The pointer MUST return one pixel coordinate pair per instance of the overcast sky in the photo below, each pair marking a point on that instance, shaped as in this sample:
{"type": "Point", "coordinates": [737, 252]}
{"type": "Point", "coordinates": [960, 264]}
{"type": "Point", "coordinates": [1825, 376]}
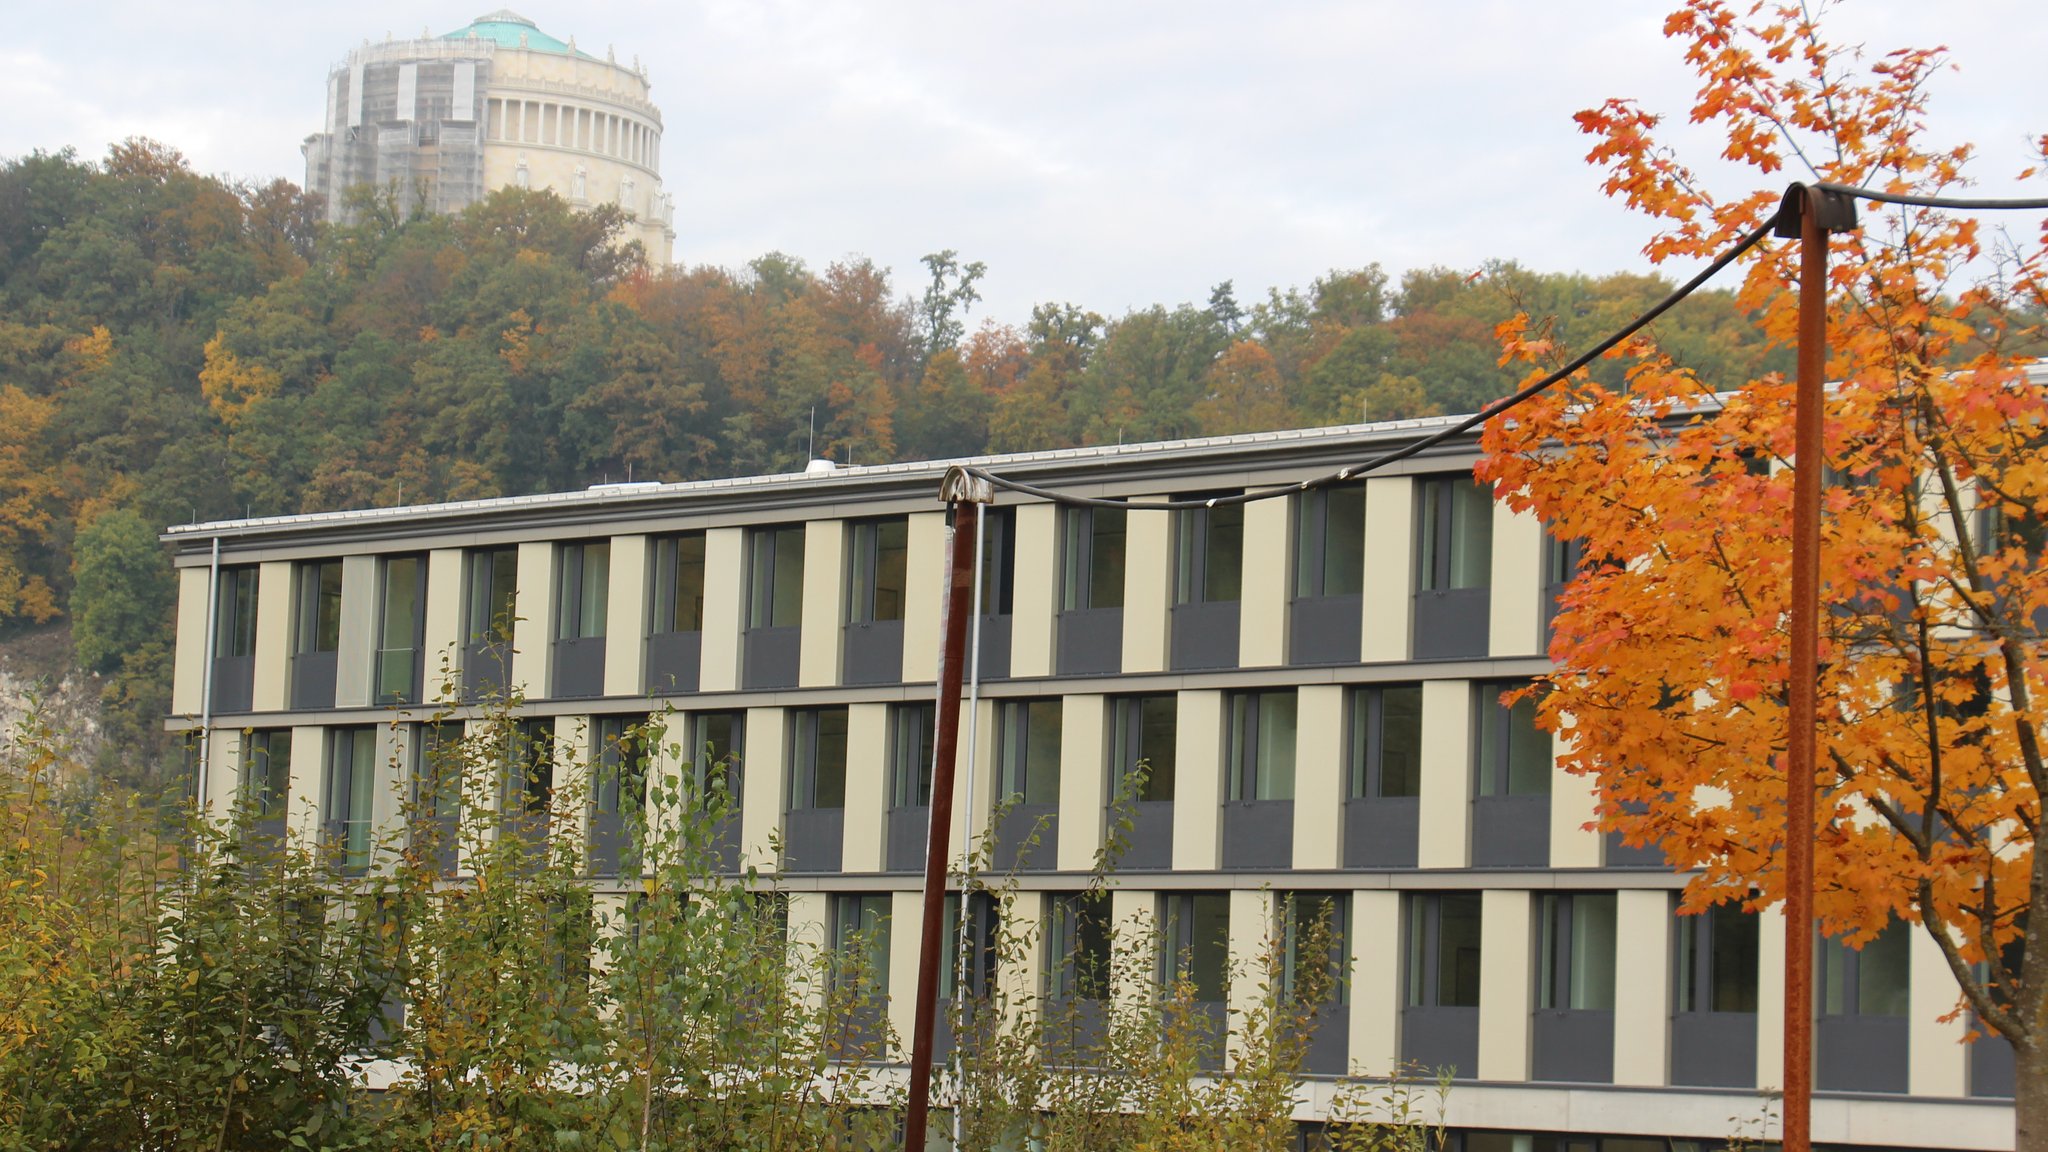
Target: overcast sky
{"type": "Point", "coordinates": [1113, 154]}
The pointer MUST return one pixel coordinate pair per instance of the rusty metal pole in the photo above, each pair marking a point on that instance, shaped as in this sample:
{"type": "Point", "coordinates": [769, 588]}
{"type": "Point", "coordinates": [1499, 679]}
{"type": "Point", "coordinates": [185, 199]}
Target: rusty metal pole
{"type": "Point", "coordinates": [1817, 215]}
{"type": "Point", "coordinates": [965, 494]}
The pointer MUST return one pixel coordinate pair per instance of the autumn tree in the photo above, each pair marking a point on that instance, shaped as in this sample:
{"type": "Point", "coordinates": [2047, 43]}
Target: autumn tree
{"type": "Point", "coordinates": [1670, 650]}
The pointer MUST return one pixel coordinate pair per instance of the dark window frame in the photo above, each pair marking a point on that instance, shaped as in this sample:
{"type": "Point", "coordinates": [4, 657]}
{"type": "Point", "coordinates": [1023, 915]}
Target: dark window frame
{"type": "Point", "coordinates": [1312, 542]}
{"type": "Point", "coordinates": [1443, 505]}
{"type": "Point", "coordinates": [573, 605]}
{"type": "Point", "coordinates": [868, 565]}
{"type": "Point", "coordinates": [348, 803]}
{"type": "Point", "coordinates": [1247, 773]}
{"type": "Point", "coordinates": [1367, 741]}
{"type": "Point", "coordinates": [815, 782]}
{"type": "Point", "coordinates": [414, 652]}
{"type": "Point", "coordinates": [1082, 538]}
{"type": "Point", "coordinates": [770, 554]}
{"type": "Point", "coordinates": [1131, 718]}
{"type": "Point", "coordinates": [676, 555]}
{"type": "Point", "coordinates": [1016, 741]}
{"type": "Point", "coordinates": [1200, 561]}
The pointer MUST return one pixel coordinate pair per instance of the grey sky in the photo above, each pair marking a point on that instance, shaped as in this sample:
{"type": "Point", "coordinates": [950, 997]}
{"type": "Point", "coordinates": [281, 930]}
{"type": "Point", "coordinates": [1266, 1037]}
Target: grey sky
{"type": "Point", "coordinates": [1112, 154]}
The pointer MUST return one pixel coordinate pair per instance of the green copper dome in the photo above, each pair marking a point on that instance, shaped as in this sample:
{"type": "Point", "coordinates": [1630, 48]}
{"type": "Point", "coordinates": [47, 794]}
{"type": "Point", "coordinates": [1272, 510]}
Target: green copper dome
{"type": "Point", "coordinates": [508, 29]}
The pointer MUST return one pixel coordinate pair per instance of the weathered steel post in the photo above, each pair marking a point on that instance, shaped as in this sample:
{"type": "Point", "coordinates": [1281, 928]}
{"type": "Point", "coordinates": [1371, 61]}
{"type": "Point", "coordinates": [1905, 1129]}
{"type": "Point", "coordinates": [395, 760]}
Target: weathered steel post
{"type": "Point", "coordinates": [965, 494]}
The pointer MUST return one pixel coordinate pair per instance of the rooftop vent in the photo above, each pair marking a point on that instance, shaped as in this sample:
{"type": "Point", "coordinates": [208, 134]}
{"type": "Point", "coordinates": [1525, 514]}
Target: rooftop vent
{"type": "Point", "coordinates": [625, 486]}
{"type": "Point", "coordinates": [820, 468]}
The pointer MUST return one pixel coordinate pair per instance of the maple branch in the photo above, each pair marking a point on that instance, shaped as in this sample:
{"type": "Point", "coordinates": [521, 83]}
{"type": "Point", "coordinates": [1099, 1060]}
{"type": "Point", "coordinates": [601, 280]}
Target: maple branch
{"type": "Point", "coordinates": [2008, 1024]}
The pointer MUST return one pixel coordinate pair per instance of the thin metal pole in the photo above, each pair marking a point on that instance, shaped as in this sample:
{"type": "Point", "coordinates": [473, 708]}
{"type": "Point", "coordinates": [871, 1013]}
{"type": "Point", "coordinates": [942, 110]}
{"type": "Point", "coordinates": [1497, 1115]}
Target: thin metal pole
{"type": "Point", "coordinates": [1802, 715]}
{"type": "Point", "coordinates": [965, 926]}
{"type": "Point", "coordinates": [966, 521]}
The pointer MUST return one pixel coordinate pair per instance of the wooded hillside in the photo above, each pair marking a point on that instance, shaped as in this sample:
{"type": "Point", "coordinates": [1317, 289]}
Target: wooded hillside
{"type": "Point", "coordinates": [175, 347]}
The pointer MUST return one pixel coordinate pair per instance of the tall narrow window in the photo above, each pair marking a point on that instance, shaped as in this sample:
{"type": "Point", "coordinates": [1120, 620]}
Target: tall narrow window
{"type": "Point", "coordinates": [584, 590]}
{"type": "Point", "coordinates": [814, 828]}
{"type": "Point", "coordinates": [493, 588]}
{"type": "Point", "coordinates": [1091, 624]}
{"type": "Point", "coordinates": [401, 630]}
{"type": "Point", "coordinates": [1386, 742]}
{"type": "Point", "coordinates": [881, 565]}
{"type": "Point", "coordinates": [1572, 1037]}
{"type": "Point", "coordinates": [860, 939]}
{"type": "Point", "coordinates": [1262, 745]}
{"type": "Point", "coordinates": [998, 560]}
{"type": "Point", "coordinates": [319, 626]}
{"type": "Point", "coordinates": [1863, 1028]}
{"type": "Point", "coordinates": [490, 608]}
{"type": "Point", "coordinates": [1211, 554]}
{"type": "Point", "coordinates": [1455, 523]}
{"type": "Point", "coordinates": [266, 779]}
{"type": "Point", "coordinates": [1326, 620]}
{"type": "Point", "coordinates": [1383, 807]}
{"type": "Point", "coordinates": [1440, 1022]}
{"type": "Point", "coordinates": [679, 583]}
{"type": "Point", "coordinates": [1078, 939]}
{"type": "Point", "coordinates": [1315, 931]}
{"type": "Point", "coordinates": [1028, 780]}
{"type": "Point", "coordinates": [1142, 744]}
{"type": "Point", "coordinates": [316, 634]}
{"type": "Point", "coordinates": [983, 931]}
{"type": "Point", "coordinates": [233, 667]}
{"type": "Point", "coordinates": [715, 751]}
{"type": "Point", "coordinates": [1208, 583]}
{"type": "Point", "coordinates": [911, 732]}
{"type": "Point", "coordinates": [818, 758]}
{"type": "Point", "coordinates": [1329, 534]}
{"type": "Point", "coordinates": [877, 589]}
{"type": "Point", "coordinates": [776, 595]}
{"type": "Point", "coordinates": [773, 645]}
{"type": "Point", "coordinates": [1714, 1001]}
{"type": "Point", "coordinates": [1453, 568]}
{"type": "Point", "coordinates": [1514, 754]}
{"type": "Point", "coordinates": [1093, 574]}
{"type": "Point", "coordinates": [350, 794]}
{"type": "Point", "coordinates": [618, 790]}
{"type": "Point", "coordinates": [675, 641]}
{"type": "Point", "coordinates": [1028, 752]}
{"type": "Point", "coordinates": [437, 792]}
{"type": "Point", "coordinates": [1194, 944]}
{"type": "Point", "coordinates": [1511, 788]}
{"type": "Point", "coordinates": [530, 779]}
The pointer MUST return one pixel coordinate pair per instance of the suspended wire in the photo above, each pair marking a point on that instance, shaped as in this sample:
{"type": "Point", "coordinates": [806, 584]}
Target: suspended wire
{"type": "Point", "coordinates": [1959, 203]}
{"type": "Point", "coordinates": [1526, 393]}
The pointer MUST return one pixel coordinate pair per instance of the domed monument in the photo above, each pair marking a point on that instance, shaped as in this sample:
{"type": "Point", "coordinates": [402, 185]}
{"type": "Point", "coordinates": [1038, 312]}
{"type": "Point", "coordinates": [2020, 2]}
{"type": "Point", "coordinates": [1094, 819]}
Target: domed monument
{"type": "Point", "coordinates": [445, 120]}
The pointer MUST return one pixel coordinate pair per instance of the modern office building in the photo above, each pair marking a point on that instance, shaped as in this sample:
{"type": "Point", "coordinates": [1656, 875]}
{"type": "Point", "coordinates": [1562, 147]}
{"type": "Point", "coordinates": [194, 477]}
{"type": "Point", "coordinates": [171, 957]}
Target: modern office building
{"type": "Point", "coordinates": [1314, 681]}
{"type": "Point", "coordinates": [446, 120]}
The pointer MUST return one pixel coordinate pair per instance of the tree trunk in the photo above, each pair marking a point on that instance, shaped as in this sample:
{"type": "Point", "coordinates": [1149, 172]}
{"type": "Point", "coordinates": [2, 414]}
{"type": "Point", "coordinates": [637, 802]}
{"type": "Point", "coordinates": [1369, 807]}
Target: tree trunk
{"type": "Point", "coordinates": [2030, 1098]}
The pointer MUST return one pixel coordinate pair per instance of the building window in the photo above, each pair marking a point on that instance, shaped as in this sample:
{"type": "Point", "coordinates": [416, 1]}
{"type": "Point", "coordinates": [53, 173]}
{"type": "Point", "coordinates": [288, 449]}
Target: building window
{"type": "Point", "coordinates": [679, 583]}
{"type": "Point", "coordinates": [1512, 769]}
{"type": "Point", "coordinates": [1091, 629]}
{"type": "Point", "coordinates": [437, 792]}
{"type": "Point", "coordinates": [1078, 945]}
{"type": "Point", "coordinates": [351, 793]}
{"type": "Point", "coordinates": [1862, 1031]}
{"type": "Point", "coordinates": [1093, 575]}
{"type": "Point", "coordinates": [1211, 554]}
{"type": "Point", "coordinates": [234, 623]}
{"type": "Point", "coordinates": [1194, 945]}
{"type": "Point", "coordinates": [716, 745]}
{"type": "Point", "coordinates": [911, 732]}
{"type": "Point", "coordinates": [1329, 537]}
{"type": "Point", "coordinates": [982, 931]}
{"type": "Point", "coordinates": [1718, 955]}
{"type": "Point", "coordinates": [877, 591]}
{"type": "Point", "coordinates": [1315, 930]}
{"type": "Point", "coordinates": [1028, 751]}
{"type": "Point", "coordinates": [880, 570]}
{"type": "Point", "coordinates": [675, 640]}
{"type": "Point", "coordinates": [1453, 569]}
{"type": "Point", "coordinates": [818, 758]}
{"type": "Point", "coordinates": [319, 625]}
{"type": "Point", "coordinates": [998, 560]}
{"type": "Point", "coordinates": [1142, 743]}
{"type": "Point", "coordinates": [493, 588]}
{"type": "Point", "coordinates": [1575, 951]}
{"type": "Point", "coordinates": [1714, 998]}
{"type": "Point", "coordinates": [860, 940]}
{"type": "Point", "coordinates": [1514, 755]}
{"type": "Point", "coordinates": [530, 782]}
{"type": "Point", "coordinates": [618, 790]}
{"type": "Point", "coordinates": [1386, 742]}
{"type": "Point", "coordinates": [401, 630]}
{"type": "Point", "coordinates": [772, 654]}
{"type": "Point", "coordinates": [267, 778]}
{"type": "Point", "coordinates": [316, 634]}
{"type": "Point", "coordinates": [1262, 745]}
{"type": "Point", "coordinates": [1454, 550]}
{"type": "Point", "coordinates": [1443, 951]}
{"type": "Point", "coordinates": [776, 589]}
{"type": "Point", "coordinates": [584, 590]}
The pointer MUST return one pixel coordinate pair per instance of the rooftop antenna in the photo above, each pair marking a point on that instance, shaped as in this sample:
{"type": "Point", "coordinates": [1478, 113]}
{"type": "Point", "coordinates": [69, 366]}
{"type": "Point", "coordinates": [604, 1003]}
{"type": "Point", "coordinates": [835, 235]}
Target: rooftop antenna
{"type": "Point", "coordinates": [811, 452]}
